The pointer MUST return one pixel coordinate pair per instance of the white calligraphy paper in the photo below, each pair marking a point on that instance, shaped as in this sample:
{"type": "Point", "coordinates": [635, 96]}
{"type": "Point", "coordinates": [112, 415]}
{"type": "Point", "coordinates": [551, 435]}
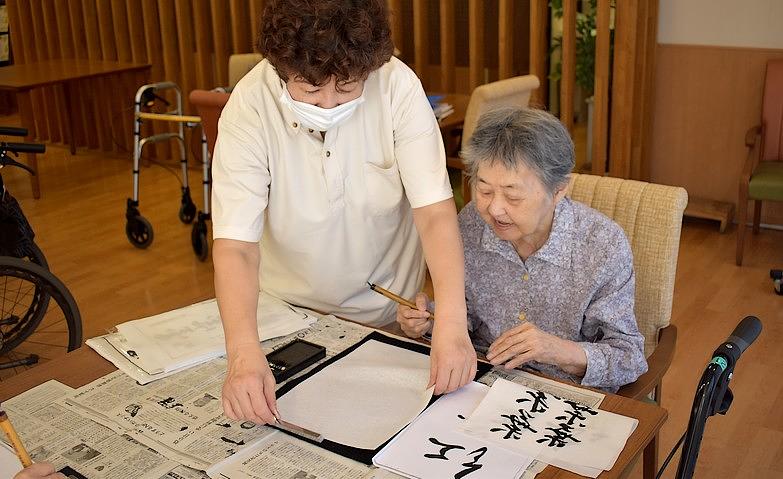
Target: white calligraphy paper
{"type": "Point", "coordinates": [551, 429]}
{"type": "Point", "coordinates": [433, 447]}
{"type": "Point", "coordinates": [362, 399]}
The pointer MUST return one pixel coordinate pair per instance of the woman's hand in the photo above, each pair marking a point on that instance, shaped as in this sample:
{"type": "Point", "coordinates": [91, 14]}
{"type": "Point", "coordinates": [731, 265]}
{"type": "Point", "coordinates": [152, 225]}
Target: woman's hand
{"type": "Point", "coordinates": [40, 470]}
{"type": "Point", "coordinates": [452, 358]}
{"type": "Point", "coordinates": [249, 389]}
{"type": "Point", "coordinates": [415, 322]}
{"type": "Point", "coordinates": [526, 343]}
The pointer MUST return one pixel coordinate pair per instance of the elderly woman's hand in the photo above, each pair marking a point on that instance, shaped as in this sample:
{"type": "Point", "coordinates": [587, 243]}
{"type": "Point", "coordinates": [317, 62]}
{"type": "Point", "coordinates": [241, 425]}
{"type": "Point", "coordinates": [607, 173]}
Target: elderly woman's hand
{"type": "Point", "coordinates": [415, 322]}
{"type": "Point", "coordinates": [526, 343]}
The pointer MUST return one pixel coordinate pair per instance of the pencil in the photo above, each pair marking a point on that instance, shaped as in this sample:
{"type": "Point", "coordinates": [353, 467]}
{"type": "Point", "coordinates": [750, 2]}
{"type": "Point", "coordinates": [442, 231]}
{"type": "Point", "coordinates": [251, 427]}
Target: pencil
{"type": "Point", "coordinates": [392, 296]}
{"type": "Point", "coordinates": [6, 425]}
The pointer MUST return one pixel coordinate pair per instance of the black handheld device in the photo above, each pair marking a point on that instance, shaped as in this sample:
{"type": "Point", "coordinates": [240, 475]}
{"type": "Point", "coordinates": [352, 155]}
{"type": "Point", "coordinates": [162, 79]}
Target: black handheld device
{"type": "Point", "coordinates": [294, 357]}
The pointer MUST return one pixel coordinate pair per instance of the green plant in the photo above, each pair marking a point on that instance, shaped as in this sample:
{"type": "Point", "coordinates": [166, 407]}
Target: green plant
{"type": "Point", "coordinates": [585, 45]}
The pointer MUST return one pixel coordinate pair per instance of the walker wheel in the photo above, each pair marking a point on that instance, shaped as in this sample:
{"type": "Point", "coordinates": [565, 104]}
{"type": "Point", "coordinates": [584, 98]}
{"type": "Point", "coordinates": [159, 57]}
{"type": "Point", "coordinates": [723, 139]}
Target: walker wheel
{"type": "Point", "coordinates": [187, 212]}
{"type": "Point", "coordinates": [139, 231]}
{"type": "Point", "coordinates": [198, 238]}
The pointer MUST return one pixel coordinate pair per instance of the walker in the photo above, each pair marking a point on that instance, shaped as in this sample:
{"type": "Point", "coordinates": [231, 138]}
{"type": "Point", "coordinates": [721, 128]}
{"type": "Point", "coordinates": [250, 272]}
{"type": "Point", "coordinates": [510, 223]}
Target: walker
{"type": "Point", "coordinates": [137, 228]}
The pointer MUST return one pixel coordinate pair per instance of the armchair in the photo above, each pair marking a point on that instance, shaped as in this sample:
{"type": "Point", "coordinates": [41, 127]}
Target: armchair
{"type": "Point", "coordinates": [651, 216]}
{"type": "Point", "coordinates": [762, 176]}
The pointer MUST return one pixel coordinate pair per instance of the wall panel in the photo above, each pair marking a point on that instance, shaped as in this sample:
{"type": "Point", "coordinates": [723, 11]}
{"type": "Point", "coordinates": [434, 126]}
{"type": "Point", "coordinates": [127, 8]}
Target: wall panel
{"type": "Point", "coordinates": [706, 99]}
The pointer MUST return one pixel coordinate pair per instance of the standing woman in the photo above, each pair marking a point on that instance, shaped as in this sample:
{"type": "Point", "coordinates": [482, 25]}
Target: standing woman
{"type": "Point", "coordinates": [329, 155]}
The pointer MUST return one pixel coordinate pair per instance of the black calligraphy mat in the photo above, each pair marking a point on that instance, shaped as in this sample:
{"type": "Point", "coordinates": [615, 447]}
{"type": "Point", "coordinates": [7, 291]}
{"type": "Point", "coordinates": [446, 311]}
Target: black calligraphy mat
{"type": "Point", "coordinates": [363, 455]}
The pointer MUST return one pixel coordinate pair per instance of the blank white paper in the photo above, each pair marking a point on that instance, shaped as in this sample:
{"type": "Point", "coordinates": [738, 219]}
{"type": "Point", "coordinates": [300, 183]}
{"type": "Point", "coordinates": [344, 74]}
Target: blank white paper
{"type": "Point", "coordinates": [362, 399]}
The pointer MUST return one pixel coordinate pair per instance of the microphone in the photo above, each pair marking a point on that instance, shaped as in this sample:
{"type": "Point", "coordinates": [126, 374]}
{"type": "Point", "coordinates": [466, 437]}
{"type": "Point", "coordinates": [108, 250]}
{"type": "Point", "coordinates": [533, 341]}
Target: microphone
{"type": "Point", "coordinates": [728, 353]}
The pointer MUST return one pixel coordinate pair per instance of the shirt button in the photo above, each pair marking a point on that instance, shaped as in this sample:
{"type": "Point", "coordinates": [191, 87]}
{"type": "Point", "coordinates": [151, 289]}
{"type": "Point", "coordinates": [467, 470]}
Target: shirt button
{"type": "Point", "coordinates": [525, 277]}
{"type": "Point", "coordinates": [522, 317]}
{"type": "Point", "coordinates": [295, 124]}
{"type": "Point", "coordinates": [328, 153]}
{"type": "Point", "coordinates": [310, 130]}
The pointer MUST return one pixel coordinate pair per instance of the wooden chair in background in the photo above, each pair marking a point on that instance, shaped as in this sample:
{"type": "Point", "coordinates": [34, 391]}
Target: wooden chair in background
{"type": "Point", "coordinates": [762, 175]}
{"type": "Point", "coordinates": [510, 92]}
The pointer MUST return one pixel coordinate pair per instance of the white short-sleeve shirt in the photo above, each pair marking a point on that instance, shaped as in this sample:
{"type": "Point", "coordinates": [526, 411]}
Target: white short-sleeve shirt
{"type": "Point", "coordinates": [332, 213]}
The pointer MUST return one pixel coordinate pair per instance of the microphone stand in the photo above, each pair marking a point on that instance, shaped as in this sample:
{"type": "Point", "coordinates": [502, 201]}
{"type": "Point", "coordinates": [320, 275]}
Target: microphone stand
{"type": "Point", "coordinates": [713, 396]}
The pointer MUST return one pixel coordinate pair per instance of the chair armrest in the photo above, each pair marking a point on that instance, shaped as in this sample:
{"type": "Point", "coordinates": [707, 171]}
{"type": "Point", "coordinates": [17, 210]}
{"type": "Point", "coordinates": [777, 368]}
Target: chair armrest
{"type": "Point", "coordinates": [657, 365]}
{"type": "Point", "coordinates": [751, 142]}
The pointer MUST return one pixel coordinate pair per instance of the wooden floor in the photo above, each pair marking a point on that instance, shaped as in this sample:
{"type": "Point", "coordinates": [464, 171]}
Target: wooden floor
{"type": "Point", "coordinates": [80, 223]}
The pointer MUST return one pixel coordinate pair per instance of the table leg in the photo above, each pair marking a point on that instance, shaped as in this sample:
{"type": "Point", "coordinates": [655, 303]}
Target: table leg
{"type": "Point", "coordinates": [650, 459]}
{"type": "Point", "coordinates": [68, 94]}
{"type": "Point", "coordinates": [26, 115]}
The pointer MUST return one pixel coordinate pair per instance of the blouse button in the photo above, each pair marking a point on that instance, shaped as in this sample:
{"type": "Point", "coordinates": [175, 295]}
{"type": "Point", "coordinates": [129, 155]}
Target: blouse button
{"type": "Point", "coordinates": [328, 153]}
{"type": "Point", "coordinates": [295, 124]}
{"type": "Point", "coordinates": [522, 317]}
{"type": "Point", "coordinates": [310, 130]}
{"type": "Point", "coordinates": [525, 277]}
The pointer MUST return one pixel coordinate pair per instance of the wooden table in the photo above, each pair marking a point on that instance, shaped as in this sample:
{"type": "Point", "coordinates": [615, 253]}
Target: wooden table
{"type": "Point", "coordinates": [84, 365]}
{"type": "Point", "coordinates": [22, 79]}
{"type": "Point", "coordinates": [454, 121]}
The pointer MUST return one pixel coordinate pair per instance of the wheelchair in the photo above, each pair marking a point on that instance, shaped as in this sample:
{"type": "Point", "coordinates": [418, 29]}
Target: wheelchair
{"type": "Point", "coordinates": [39, 318]}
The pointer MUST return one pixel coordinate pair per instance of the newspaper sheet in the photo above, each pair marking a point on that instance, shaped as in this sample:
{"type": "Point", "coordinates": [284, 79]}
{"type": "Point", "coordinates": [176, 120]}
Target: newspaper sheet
{"type": "Point", "coordinates": [181, 416]}
{"type": "Point", "coordinates": [194, 334]}
{"type": "Point", "coordinates": [53, 433]}
{"type": "Point", "coordinates": [279, 455]}
{"type": "Point", "coordinates": [565, 391]}
{"type": "Point", "coordinates": [159, 346]}
{"type": "Point", "coordinates": [336, 335]}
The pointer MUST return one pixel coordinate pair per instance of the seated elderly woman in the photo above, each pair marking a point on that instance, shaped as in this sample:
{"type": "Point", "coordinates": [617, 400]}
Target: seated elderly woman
{"type": "Point", "coordinates": [549, 281]}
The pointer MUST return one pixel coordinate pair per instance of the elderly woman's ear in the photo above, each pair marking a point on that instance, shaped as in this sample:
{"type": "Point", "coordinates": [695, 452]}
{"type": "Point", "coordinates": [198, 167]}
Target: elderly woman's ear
{"type": "Point", "coordinates": [561, 192]}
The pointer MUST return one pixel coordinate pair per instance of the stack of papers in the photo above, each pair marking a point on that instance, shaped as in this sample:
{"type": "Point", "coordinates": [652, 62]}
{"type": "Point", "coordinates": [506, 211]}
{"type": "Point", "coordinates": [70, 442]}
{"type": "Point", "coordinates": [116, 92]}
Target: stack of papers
{"type": "Point", "coordinates": [161, 345]}
{"type": "Point", "coordinates": [441, 109]}
{"type": "Point", "coordinates": [551, 429]}
{"type": "Point", "coordinates": [432, 445]}
{"type": "Point", "coordinates": [506, 431]}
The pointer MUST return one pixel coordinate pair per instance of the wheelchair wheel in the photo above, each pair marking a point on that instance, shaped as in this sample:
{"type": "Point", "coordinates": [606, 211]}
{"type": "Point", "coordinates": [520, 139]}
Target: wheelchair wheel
{"type": "Point", "coordinates": [139, 231]}
{"type": "Point", "coordinates": [39, 319]}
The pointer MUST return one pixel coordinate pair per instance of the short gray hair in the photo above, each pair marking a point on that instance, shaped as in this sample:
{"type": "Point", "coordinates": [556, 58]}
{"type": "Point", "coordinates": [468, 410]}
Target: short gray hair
{"type": "Point", "coordinates": [514, 136]}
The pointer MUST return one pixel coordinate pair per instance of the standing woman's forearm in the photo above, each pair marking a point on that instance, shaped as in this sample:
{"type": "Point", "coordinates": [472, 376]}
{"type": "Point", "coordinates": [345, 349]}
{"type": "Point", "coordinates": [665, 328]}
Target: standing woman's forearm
{"type": "Point", "coordinates": [249, 388]}
{"type": "Point", "coordinates": [452, 359]}
{"type": "Point", "coordinates": [236, 289]}
{"type": "Point", "coordinates": [439, 231]}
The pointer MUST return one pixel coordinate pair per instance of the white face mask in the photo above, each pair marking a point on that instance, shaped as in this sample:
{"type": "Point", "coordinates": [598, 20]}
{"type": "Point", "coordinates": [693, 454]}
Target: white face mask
{"type": "Point", "coordinates": [317, 118]}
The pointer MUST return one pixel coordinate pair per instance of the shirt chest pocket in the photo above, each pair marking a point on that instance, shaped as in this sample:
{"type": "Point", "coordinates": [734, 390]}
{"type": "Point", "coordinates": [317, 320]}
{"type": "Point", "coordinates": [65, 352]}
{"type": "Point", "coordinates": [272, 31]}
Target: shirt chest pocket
{"type": "Point", "coordinates": [384, 188]}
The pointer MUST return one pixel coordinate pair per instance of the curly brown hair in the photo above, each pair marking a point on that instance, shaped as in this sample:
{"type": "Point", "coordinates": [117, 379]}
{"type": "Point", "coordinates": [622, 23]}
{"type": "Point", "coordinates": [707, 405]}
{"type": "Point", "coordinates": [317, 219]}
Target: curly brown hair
{"type": "Point", "coordinates": [316, 39]}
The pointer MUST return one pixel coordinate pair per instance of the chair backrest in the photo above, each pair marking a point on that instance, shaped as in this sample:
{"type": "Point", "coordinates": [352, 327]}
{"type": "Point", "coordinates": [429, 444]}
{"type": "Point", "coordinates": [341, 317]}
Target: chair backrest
{"type": "Point", "coordinates": [651, 216]}
{"type": "Point", "coordinates": [772, 112]}
{"type": "Point", "coordinates": [509, 92]}
{"type": "Point", "coordinates": [209, 105]}
{"type": "Point", "coordinates": [239, 64]}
